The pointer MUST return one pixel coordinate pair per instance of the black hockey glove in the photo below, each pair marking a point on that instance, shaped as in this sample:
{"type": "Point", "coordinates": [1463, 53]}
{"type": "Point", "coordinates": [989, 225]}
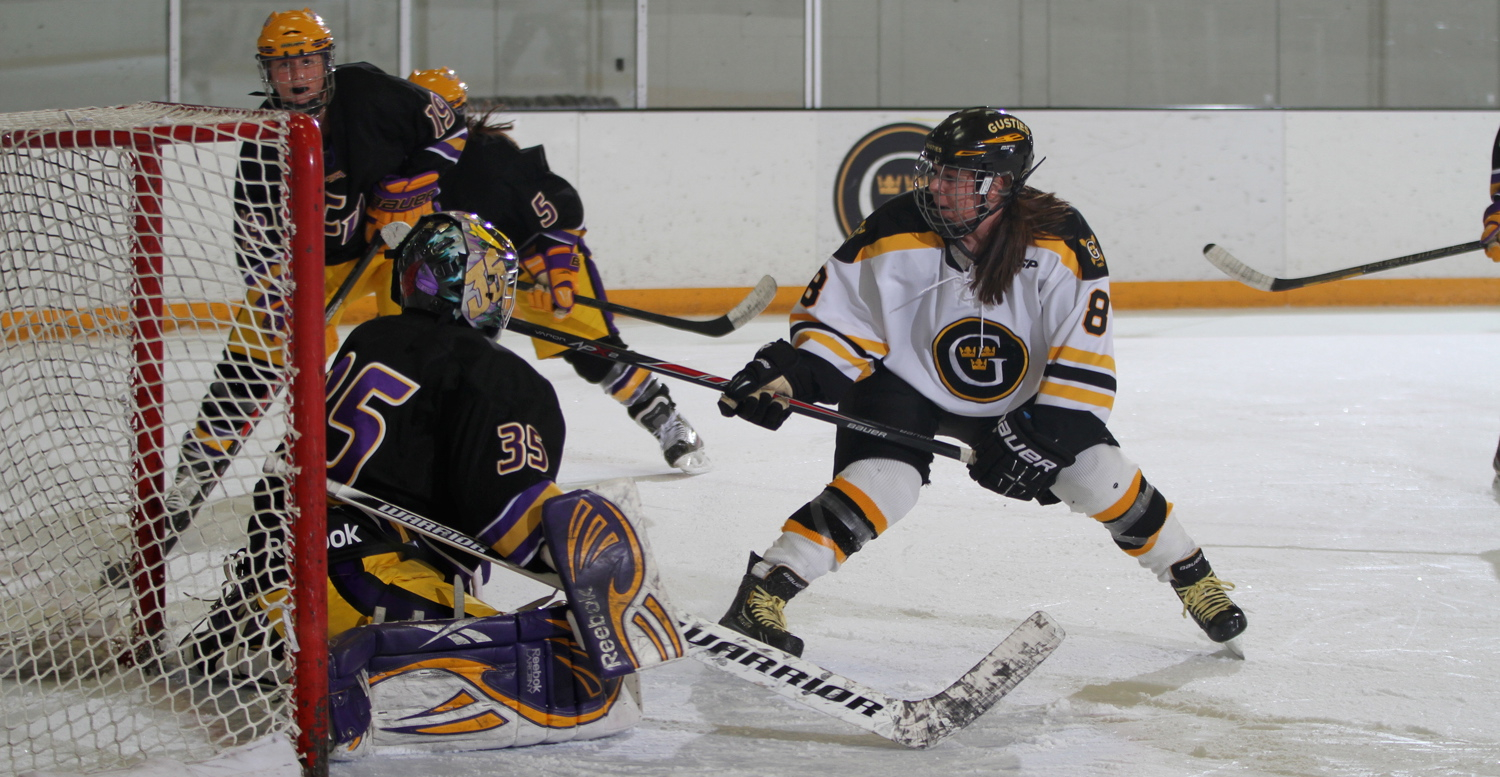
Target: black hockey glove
{"type": "Point", "coordinates": [1017, 460]}
{"type": "Point", "coordinates": [752, 393]}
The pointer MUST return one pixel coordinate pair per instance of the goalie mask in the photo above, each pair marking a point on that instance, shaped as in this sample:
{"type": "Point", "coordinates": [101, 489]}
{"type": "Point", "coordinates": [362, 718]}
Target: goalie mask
{"type": "Point", "coordinates": [455, 264]}
{"type": "Point", "coordinates": [970, 159]}
{"type": "Point", "coordinates": [295, 52]}
{"type": "Point", "coordinates": [444, 82]}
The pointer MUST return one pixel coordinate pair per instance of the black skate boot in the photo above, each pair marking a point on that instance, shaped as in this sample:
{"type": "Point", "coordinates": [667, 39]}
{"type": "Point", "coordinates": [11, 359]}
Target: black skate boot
{"type": "Point", "coordinates": [680, 444]}
{"type": "Point", "coordinates": [756, 611]}
{"type": "Point", "coordinates": [236, 642]}
{"type": "Point", "coordinates": [1203, 597]}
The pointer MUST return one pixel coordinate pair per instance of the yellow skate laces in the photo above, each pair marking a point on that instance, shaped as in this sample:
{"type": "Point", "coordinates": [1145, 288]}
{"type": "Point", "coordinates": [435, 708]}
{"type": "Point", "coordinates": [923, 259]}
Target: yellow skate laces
{"type": "Point", "coordinates": [767, 609]}
{"type": "Point", "coordinates": [1205, 598]}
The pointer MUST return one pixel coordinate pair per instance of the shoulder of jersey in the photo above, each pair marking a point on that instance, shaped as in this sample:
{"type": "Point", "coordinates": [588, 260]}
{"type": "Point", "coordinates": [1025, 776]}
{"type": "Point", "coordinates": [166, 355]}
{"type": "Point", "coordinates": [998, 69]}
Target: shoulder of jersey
{"type": "Point", "coordinates": [895, 225]}
{"type": "Point", "coordinates": [1073, 241]}
{"type": "Point", "coordinates": [368, 80]}
{"type": "Point", "coordinates": [493, 142]}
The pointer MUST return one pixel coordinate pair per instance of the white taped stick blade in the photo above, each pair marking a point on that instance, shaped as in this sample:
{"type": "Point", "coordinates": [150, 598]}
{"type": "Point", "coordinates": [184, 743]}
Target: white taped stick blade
{"type": "Point", "coordinates": [394, 232]}
{"type": "Point", "coordinates": [753, 304]}
{"type": "Point", "coordinates": [1234, 268]}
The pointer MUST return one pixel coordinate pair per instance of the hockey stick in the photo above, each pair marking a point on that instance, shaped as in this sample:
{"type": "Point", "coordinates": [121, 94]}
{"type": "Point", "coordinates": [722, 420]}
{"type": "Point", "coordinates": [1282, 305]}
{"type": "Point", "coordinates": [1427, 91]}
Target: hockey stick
{"type": "Point", "coordinates": [596, 348]}
{"type": "Point", "coordinates": [1234, 268]}
{"type": "Point", "coordinates": [915, 723]}
{"type": "Point", "coordinates": [751, 306]}
{"type": "Point", "coordinates": [356, 273]}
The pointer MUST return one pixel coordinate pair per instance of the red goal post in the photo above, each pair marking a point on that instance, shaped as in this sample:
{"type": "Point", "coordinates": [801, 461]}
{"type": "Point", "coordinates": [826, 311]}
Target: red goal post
{"type": "Point", "coordinates": [120, 276]}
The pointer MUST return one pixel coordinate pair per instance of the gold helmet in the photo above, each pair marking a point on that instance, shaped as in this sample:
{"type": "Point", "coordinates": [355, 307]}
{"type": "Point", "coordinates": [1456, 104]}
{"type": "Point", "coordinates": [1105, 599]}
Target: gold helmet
{"type": "Point", "coordinates": [292, 35]}
{"type": "Point", "coordinates": [444, 82]}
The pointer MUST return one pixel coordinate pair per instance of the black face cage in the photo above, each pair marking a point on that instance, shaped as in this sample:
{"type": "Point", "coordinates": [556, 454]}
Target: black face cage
{"type": "Point", "coordinates": [313, 106]}
{"type": "Point", "coordinates": [955, 223]}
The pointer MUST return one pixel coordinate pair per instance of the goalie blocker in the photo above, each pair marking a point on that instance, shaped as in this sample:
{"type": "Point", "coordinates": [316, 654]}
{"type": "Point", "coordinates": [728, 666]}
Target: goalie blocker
{"type": "Point", "coordinates": [550, 675]}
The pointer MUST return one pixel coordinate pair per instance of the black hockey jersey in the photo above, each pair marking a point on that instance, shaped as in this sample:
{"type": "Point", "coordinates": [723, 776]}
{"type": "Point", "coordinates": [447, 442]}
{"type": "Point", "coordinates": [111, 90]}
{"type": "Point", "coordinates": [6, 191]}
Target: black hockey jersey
{"type": "Point", "coordinates": [377, 126]}
{"type": "Point", "coordinates": [512, 188]}
{"type": "Point", "coordinates": [1495, 170]}
{"type": "Point", "coordinates": [431, 415]}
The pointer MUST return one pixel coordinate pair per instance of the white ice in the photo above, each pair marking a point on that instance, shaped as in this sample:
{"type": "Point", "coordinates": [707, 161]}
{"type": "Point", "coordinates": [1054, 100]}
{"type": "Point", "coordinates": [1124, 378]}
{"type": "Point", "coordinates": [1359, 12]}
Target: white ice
{"type": "Point", "coordinates": [1335, 465]}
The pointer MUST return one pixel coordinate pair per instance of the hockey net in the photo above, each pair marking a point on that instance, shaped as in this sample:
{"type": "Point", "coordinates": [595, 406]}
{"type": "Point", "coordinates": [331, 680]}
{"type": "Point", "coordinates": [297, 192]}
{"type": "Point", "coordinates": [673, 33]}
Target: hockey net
{"type": "Point", "coordinates": [119, 279]}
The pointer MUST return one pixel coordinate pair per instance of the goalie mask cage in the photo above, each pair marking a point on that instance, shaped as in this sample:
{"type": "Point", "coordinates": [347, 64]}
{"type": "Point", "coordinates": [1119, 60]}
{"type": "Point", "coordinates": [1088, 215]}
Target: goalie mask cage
{"type": "Point", "coordinates": [119, 280]}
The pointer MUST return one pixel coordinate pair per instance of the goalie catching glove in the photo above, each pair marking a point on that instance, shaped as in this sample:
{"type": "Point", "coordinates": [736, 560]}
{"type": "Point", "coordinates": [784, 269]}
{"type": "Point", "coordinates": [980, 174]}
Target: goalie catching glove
{"type": "Point", "coordinates": [1018, 460]}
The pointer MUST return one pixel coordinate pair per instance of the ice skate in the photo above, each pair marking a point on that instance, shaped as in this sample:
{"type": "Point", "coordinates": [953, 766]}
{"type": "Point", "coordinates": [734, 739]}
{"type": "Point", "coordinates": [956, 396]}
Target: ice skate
{"type": "Point", "coordinates": [680, 444]}
{"type": "Point", "coordinates": [757, 608]}
{"type": "Point", "coordinates": [1203, 596]}
{"type": "Point", "coordinates": [235, 642]}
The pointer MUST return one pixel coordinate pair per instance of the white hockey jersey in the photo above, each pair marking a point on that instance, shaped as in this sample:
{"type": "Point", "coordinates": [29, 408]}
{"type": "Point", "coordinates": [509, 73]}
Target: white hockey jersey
{"type": "Point", "coordinates": [893, 294]}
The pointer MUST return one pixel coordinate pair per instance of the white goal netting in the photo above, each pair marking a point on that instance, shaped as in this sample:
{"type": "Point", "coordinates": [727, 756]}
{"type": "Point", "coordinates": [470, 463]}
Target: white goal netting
{"type": "Point", "coordinates": [120, 277]}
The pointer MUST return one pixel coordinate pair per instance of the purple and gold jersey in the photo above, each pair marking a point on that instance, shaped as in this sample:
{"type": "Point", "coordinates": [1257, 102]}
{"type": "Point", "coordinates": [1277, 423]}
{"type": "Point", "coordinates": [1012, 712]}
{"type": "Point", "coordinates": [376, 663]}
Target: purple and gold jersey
{"type": "Point", "coordinates": [512, 188]}
{"type": "Point", "coordinates": [377, 126]}
{"type": "Point", "coordinates": [433, 416]}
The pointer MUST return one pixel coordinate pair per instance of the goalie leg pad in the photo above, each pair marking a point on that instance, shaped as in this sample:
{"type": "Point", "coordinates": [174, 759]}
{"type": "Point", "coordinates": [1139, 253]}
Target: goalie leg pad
{"type": "Point", "coordinates": [615, 598]}
{"type": "Point", "coordinates": [471, 684]}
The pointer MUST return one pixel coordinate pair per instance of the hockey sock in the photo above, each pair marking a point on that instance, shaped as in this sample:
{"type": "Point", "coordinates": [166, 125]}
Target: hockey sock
{"type": "Point", "coordinates": [865, 499]}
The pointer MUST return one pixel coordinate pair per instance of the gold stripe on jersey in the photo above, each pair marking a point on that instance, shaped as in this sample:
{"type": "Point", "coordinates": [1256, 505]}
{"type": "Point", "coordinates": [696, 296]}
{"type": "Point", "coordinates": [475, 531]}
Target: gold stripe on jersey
{"type": "Point", "coordinates": [904, 241]}
{"type": "Point", "coordinates": [1079, 395]}
{"type": "Point", "coordinates": [836, 348]}
{"type": "Point", "coordinates": [1064, 253]}
{"type": "Point", "coordinates": [866, 504]}
{"type": "Point", "coordinates": [528, 525]}
{"type": "Point", "coordinates": [1079, 356]}
{"type": "Point", "coordinates": [874, 347]}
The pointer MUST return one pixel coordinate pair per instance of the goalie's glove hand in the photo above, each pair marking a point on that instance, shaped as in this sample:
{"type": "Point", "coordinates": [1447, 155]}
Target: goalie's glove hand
{"type": "Point", "coordinates": [1491, 236]}
{"type": "Point", "coordinates": [758, 393]}
{"type": "Point", "coordinates": [400, 199]}
{"type": "Point", "coordinates": [555, 266]}
{"type": "Point", "coordinates": [1017, 460]}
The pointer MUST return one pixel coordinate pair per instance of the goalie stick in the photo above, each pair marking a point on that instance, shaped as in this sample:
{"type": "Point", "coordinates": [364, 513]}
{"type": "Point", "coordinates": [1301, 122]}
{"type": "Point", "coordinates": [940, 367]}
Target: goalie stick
{"type": "Point", "coordinates": [1234, 268]}
{"type": "Point", "coordinates": [915, 723]}
{"type": "Point", "coordinates": [751, 306]}
{"type": "Point", "coordinates": [596, 348]}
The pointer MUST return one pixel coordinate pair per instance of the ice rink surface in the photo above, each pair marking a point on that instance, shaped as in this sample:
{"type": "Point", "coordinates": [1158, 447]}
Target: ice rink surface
{"type": "Point", "coordinates": [1335, 465]}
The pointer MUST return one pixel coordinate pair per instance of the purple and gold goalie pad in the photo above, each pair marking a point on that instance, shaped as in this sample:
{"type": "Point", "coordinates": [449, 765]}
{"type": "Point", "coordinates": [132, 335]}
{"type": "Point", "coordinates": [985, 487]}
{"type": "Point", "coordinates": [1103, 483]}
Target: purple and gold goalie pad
{"type": "Point", "coordinates": [615, 599]}
{"type": "Point", "coordinates": [470, 684]}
